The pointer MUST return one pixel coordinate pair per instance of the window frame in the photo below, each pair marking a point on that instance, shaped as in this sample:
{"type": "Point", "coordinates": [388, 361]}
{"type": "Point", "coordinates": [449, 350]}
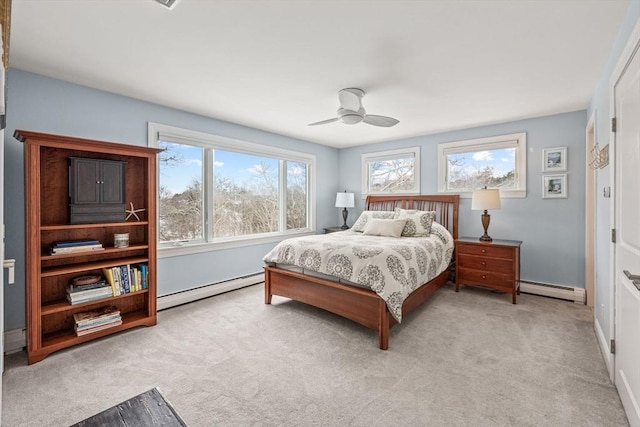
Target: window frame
{"type": "Point", "coordinates": [367, 158]}
{"type": "Point", "coordinates": [158, 132]}
{"type": "Point", "coordinates": [514, 140]}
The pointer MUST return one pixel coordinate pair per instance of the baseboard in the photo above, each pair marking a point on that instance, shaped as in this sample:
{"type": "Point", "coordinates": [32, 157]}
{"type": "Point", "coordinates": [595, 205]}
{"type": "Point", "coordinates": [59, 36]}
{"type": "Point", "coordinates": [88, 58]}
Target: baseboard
{"type": "Point", "coordinates": [577, 295]}
{"type": "Point", "coordinates": [15, 340]}
{"type": "Point", "coordinates": [184, 297]}
{"type": "Point", "coordinates": [604, 348]}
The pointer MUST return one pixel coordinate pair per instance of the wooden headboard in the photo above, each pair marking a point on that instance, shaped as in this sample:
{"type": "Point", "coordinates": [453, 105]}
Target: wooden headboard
{"type": "Point", "coordinates": [445, 206]}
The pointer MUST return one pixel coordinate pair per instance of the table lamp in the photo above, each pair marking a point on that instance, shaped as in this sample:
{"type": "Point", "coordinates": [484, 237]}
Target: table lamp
{"type": "Point", "coordinates": [344, 200]}
{"type": "Point", "coordinates": [485, 199]}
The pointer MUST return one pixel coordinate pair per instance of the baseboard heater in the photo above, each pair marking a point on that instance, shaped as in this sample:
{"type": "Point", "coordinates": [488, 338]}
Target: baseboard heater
{"type": "Point", "coordinates": [184, 297]}
{"type": "Point", "coordinates": [577, 295]}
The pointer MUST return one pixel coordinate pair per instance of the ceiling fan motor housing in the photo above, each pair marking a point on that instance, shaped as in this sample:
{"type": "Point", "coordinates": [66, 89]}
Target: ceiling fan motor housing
{"type": "Point", "coordinates": [350, 117]}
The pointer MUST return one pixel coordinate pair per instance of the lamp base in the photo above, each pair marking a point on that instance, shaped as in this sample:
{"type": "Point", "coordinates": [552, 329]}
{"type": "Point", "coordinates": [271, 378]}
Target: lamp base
{"type": "Point", "coordinates": [486, 219]}
{"type": "Point", "coordinates": [345, 214]}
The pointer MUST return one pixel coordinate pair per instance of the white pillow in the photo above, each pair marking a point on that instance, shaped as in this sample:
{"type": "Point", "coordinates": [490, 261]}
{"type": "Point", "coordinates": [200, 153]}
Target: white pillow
{"type": "Point", "coordinates": [385, 227]}
{"type": "Point", "coordinates": [366, 216]}
{"type": "Point", "coordinates": [418, 222]}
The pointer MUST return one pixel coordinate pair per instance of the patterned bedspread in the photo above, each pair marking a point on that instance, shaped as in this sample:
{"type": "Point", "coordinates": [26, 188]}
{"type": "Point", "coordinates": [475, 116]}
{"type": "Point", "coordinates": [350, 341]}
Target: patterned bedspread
{"type": "Point", "coordinates": [391, 267]}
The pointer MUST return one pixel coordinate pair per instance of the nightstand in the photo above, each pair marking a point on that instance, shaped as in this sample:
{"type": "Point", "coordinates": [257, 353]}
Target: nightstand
{"type": "Point", "coordinates": [494, 264]}
{"type": "Point", "coordinates": [328, 230]}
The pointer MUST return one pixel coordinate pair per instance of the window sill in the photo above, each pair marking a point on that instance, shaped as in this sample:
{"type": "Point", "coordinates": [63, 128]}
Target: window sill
{"type": "Point", "coordinates": [195, 248]}
{"type": "Point", "coordinates": [504, 194]}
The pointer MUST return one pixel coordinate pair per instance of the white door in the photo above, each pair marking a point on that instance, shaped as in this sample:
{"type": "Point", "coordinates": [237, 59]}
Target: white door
{"type": "Point", "coordinates": [627, 246]}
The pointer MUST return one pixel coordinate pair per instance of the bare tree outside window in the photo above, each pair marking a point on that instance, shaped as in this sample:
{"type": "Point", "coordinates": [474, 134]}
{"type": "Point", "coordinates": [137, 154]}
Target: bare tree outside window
{"type": "Point", "coordinates": [491, 168]}
{"type": "Point", "coordinates": [391, 176]}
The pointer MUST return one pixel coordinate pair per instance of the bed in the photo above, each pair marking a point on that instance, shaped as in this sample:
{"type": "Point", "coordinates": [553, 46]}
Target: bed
{"type": "Point", "coordinates": [361, 305]}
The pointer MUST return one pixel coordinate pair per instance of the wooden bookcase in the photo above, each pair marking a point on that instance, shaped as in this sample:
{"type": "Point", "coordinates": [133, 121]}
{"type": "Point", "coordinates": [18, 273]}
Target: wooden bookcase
{"type": "Point", "coordinates": [50, 322]}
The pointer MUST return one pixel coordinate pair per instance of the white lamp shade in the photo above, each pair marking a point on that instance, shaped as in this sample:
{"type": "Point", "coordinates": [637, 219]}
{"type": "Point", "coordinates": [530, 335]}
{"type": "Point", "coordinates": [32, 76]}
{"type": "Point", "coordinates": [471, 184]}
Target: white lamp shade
{"type": "Point", "coordinates": [486, 199]}
{"type": "Point", "coordinates": [344, 200]}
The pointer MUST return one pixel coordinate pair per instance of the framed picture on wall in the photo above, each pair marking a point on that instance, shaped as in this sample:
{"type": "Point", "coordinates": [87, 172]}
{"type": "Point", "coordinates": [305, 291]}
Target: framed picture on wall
{"type": "Point", "coordinates": [554, 159]}
{"type": "Point", "coordinates": [554, 186]}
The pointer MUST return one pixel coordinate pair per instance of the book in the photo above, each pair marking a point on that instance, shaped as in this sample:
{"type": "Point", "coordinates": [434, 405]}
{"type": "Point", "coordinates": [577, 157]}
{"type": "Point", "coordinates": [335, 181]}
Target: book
{"type": "Point", "coordinates": [104, 290]}
{"type": "Point", "coordinates": [124, 274]}
{"type": "Point", "coordinates": [143, 275]}
{"type": "Point", "coordinates": [72, 243]}
{"type": "Point", "coordinates": [108, 275]}
{"type": "Point", "coordinates": [85, 316]}
{"type": "Point", "coordinates": [98, 328]}
{"type": "Point", "coordinates": [88, 286]}
{"type": "Point", "coordinates": [76, 249]}
{"type": "Point", "coordinates": [117, 278]}
{"type": "Point", "coordinates": [96, 322]}
{"type": "Point", "coordinates": [86, 298]}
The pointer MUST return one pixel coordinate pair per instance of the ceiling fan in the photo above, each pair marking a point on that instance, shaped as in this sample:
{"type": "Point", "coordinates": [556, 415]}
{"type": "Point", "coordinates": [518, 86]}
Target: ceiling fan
{"type": "Point", "coordinates": [351, 111]}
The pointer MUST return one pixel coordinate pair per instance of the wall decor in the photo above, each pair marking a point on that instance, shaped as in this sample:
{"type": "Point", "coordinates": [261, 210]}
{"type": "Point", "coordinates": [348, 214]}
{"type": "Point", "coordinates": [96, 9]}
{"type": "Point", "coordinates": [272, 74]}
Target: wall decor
{"type": "Point", "coordinates": [554, 186]}
{"type": "Point", "coordinates": [554, 159]}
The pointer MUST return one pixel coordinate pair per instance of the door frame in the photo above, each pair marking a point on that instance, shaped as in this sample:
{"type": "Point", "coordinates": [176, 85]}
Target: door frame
{"type": "Point", "coordinates": [633, 44]}
{"type": "Point", "coordinates": [590, 216]}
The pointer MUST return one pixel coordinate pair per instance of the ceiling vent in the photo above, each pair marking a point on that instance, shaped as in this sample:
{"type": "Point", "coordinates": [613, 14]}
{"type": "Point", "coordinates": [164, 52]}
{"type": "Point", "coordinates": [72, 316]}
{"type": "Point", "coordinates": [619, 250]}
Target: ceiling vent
{"type": "Point", "coordinates": [168, 3]}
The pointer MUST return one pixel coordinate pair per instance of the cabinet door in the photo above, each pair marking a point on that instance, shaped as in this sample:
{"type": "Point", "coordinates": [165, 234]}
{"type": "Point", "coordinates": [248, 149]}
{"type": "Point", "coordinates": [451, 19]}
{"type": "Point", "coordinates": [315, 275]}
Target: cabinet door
{"type": "Point", "coordinates": [84, 181]}
{"type": "Point", "coordinates": [112, 182]}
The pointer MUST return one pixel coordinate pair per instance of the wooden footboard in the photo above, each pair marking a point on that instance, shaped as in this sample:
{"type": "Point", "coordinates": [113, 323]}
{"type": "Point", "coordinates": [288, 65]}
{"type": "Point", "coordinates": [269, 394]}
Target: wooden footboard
{"type": "Point", "coordinates": [359, 305]}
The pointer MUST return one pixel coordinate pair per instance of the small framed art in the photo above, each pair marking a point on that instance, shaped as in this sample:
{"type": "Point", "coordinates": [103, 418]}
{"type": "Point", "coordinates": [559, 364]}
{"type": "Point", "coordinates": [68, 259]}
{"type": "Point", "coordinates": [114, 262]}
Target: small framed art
{"type": "Point", "coordinates": [554, 186]}
{"type": "Point", "coordinates": [554, 159]}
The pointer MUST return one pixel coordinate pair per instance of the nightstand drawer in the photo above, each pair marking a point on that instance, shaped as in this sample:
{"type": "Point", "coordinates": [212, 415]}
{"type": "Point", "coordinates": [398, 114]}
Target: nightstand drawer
{"type": "Point", "coordinates": [485, 278]}
{"type": "Point", "coordinates": [486, 264]}
{"type": "Point", "coordinates": [486, 250]}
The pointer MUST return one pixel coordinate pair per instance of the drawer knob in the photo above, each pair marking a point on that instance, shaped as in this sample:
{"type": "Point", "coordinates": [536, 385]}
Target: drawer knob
{"type": "Point", "coordinates": [484, 263]}
{"type": "Point", "coordinates": [484, 251]}
{"type": "Point", "coordinates": [484, 277]}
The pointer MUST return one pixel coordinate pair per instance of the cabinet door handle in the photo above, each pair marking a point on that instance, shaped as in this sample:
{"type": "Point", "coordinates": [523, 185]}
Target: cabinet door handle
{"type": "Point", "coordinates": [484, 263]}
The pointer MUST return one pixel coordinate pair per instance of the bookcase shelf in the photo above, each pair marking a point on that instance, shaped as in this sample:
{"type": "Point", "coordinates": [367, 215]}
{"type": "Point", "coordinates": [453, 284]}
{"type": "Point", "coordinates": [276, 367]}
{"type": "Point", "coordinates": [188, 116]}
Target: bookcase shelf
{"type": "Point", "coordinates": [50, 320]}
{"type": "Point", "coordinates": [65, 338]}
{"type": "Point", "coordinates": [63, 305]}
{"type": "Point", "coordinates": [91, 226]}
{"type": "Point", "coordinates": [107, 250]}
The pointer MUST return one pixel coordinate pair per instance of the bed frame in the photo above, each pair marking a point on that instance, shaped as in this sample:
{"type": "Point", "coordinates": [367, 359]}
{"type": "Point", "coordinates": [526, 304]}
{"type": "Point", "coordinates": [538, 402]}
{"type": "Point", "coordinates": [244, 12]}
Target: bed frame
{"type": "Point", "coordinates": [357, 304]}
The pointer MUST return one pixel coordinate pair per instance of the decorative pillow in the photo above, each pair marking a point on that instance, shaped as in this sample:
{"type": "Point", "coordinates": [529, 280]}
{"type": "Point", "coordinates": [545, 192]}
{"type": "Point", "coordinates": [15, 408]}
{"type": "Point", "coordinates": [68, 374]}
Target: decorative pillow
{"type": "Point", "coordinates": [385, 227]}
{"type": "Point", "coordinates": [366, 216]}
{"type": "Point", "coordinates": [418, 222]}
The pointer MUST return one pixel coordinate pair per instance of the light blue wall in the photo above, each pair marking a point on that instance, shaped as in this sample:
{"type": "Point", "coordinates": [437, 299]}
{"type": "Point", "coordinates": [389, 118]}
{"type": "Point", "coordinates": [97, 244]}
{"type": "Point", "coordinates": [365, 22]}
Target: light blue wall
{"type": "Point", "coordinates": [552, 230]}
{"type": "Point", "coordinates": [600, 105]}
{"type": "Point", "coordinates": [42, 104]}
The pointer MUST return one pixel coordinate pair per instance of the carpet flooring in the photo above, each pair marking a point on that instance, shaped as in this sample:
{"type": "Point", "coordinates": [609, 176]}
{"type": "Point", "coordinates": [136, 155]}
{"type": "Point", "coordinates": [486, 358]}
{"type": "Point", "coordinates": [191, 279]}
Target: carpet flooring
{"type": "Point", "coordinates": [462, 359]}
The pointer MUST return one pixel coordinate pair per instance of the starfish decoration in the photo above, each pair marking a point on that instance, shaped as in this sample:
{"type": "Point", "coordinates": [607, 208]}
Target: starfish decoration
{"type": "Point", "coordinates": [133, 212]}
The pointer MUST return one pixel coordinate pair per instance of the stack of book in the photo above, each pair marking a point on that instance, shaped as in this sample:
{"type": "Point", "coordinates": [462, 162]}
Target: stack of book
{"type": "Point", "coordinates": [127, 278]}
{"type": "Point", "coordinates": [84, 292]}
{"type": "Point", "coordinates": [97, 320]}
{"type": "Point", "coordinates": [74, 246]}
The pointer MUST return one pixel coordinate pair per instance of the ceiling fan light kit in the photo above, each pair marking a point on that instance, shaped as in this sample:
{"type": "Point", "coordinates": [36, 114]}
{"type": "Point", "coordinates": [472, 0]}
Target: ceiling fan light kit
{"type": "Point", "coordinates": [352, 112]}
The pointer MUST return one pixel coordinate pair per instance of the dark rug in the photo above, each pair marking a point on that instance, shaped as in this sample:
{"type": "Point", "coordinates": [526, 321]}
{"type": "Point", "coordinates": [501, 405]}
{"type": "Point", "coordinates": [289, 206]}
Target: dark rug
{"type": "Point", "coordinates": [146, 409]}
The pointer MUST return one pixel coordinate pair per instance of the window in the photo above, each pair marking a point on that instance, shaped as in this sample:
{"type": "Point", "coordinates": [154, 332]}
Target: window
{"type": "Point", "coordinates": [495, 162]}
{"type": "Point", "coordinates": [216, 190]}
{"type": "Point", "coordinates": [391, 172]}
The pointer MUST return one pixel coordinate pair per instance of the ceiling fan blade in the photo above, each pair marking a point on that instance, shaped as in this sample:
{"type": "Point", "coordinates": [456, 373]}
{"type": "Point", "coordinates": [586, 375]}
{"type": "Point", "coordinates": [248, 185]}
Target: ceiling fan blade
{"type": "Point", "coordinates": [382, 121]}
{"type": "Point", "coordinates": [351, 99]}
{"type": "Point", "coordinates": [324, 122]}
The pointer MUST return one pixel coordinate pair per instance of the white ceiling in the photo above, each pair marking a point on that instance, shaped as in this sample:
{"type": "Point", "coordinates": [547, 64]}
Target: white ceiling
{"type": "Point", "coordinates": [435, 65]}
